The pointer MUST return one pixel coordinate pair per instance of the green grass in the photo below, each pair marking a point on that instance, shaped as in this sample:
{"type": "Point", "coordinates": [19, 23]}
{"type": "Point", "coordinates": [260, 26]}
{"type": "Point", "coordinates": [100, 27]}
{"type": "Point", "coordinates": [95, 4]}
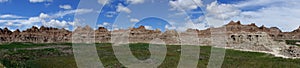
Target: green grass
{"type": "Point", "coordinates": [233, 58]}
{"type": "Point", "coordinates": [53, 62]}
{"type": "Point", "coordinates": [27, 45]}
{"type": "Point", "coordinates": [18, 58]}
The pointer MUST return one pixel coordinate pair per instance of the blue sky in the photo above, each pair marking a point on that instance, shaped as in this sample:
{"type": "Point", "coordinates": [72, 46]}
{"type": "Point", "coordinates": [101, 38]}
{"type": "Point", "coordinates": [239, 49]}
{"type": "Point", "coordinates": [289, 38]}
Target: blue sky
{"type": "Point", "coordinates": [154, 14]}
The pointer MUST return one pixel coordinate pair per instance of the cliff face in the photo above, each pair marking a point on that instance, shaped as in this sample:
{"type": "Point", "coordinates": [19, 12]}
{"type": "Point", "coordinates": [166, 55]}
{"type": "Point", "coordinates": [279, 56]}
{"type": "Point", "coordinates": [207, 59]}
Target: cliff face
{"type": "Point", "coordinates": [36, 35]}
{"type": "Point", "coordinates": [140, 34]}
{"type": "Point", "coordinates": [274, 32]}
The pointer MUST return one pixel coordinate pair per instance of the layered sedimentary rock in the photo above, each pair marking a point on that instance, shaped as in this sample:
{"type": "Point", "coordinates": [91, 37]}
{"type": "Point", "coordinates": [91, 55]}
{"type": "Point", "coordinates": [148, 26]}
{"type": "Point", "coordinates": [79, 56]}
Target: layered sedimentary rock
{"type": "Point", "coordinates": [140, 34]}
{"type": "Point", "coordinates": [232, 35]}
{"type": "Point", "coordinates": [35, 35]}
{"type": "Point", "coordinates": [291, 51]}
{"type": "Point", "coordinates": [274, 32]}
{"type": "Point", "coordinates": [262, 39]}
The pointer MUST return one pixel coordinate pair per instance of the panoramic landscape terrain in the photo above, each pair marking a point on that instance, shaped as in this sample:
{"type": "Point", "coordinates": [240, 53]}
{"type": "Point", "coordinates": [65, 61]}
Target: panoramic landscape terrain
{"type": "Point", "coordinates": [248, 46]}
{"type": "Point", "coordinates": [149, 33]}
{"type": "Point", "coordinates": [59, 56]}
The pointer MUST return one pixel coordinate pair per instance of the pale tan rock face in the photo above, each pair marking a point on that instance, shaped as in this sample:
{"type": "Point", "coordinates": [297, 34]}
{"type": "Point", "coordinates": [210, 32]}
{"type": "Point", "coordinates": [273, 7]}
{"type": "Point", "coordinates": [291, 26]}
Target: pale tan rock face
{"type": "Point", "coordinates": [298, 43]}
{"type": "Point", "coordinates": [274, 32]}
{"type": "Point", "coordinates": [259, 41]}
{"type": "Point", "coordinates": [140, 34]}
{"type": "Point", "coordinates": [292, 51]}
{"type": "Point", "coordinates": [36, 35]}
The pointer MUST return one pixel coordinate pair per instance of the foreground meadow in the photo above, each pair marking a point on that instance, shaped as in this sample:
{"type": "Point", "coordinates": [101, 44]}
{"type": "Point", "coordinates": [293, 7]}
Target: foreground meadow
{"type": "Point", "coordinates": [30, 55]}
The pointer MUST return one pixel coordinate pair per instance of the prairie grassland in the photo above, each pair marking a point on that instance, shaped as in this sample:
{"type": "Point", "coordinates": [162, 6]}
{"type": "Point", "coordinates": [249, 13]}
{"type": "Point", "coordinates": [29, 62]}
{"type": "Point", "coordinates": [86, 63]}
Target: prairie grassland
{"type": "Point", "coordinates": [30, 55]}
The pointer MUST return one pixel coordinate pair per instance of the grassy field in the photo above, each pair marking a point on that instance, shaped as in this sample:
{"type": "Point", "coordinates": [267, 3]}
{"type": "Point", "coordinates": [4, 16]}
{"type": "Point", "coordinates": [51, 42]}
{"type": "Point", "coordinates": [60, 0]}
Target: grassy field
{"type": "Point", "coordinates": [13, 55]}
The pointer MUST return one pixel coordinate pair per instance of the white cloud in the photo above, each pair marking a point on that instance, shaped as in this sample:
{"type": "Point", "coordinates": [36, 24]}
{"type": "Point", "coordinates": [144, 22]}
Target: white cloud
{"type": "Point", "coordinates": [149, 27]}
{"type": "Point", "coordinates": [286, 18]}
{"type": "Point", "coordinates": [45, 19]}
{"type": "Point", "coordinates": [222, 11]}
{"type": "Point", "coordinates": [103, 2]}
{"type": "Point", "coordinates": [181, 5]}
{"type": "Point", "coordinates": [121, 8]}
{"type": "Point", "coordinates": [189, 24]}
{"type": "Point", "coordinates": [74, 23]}
{"type": "Point", "coordinates": [251, 3]}
{"type": "Point", "coordinates": [135, 1]}
{"type": "Point", "coordinates": [104, 24]}
{"type": "Point", "coordinates": [215, 14]}
{"type": "Point", "coordinates": [34, 19]}
{"type": "Point", "coordinates": [110, 14]}
{"type": "Point", "coordinates": [170, 27]}
{"type": "Point", "coordinates": [65, 6]}
{"type": "Point", "coordinates": [25, 23]}
{"type": "Point", "coordinates": [9, 23]}
{"type": "Point", "coordinates": [108, 26]}
{"type": "Point", "coordinates": [279, 13]}
{"type": "Point", "coordinates": [10, 16]}
{"type": "Point", "coordinates": [63, 23]}
{"type": "Point", "coordinates": [38, 1]}
{"type": "Point", "coordinates": [134, 20]}
{"type": "Point", "coordinates": [57, 24]}
{"type": "Point", "coordinates": [2, 1]}
{"type": "Point", "coordinates": [200, 19]}
{"type": "Point", "coordinates": [77, 11]}
{"type": "Point", "coordinates": [43, 15]}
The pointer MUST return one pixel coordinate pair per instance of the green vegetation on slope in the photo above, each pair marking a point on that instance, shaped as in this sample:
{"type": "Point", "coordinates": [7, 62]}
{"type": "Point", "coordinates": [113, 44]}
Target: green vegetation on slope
{"type": "Point", "coordinates": [57, 59]}
{"type": "Point", "coordinates": [28, 45]}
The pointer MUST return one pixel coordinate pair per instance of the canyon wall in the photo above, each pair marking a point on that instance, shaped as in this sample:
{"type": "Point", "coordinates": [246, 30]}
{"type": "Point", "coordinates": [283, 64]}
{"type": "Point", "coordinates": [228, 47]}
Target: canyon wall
{"type": "Point", "coordinates": [140, 34]}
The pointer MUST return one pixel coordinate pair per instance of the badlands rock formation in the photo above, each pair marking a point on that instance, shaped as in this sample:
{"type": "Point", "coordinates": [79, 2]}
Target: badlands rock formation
{"type": "Point", "coordinates": [274, 32]}
{"type": "Point", "coordinates": [35, 35]}
{"type": "Point", "coordinates": [233, 35]}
